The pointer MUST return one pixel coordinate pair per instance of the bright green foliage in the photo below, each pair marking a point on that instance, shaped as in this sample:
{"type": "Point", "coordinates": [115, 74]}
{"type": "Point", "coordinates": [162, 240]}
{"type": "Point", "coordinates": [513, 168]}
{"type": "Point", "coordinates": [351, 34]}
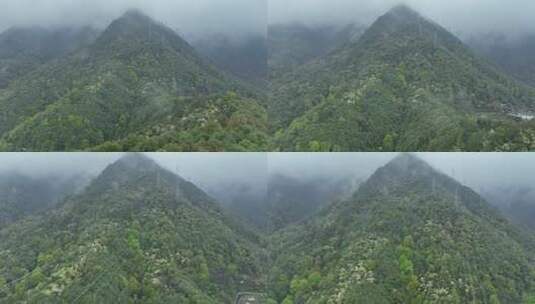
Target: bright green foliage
{"type": "Point", "coordinates": [530, 299]}
{"type": "Point", "coordinates": [137, 234]}
{"type": "Point", "coordinates": [288, 300]}
{"type": "Point", "coordinates": [409, 235]}
{"type": "Point", "coordinates": [216, 123]}
{"type": "Point", "coordinates": [405, 85]}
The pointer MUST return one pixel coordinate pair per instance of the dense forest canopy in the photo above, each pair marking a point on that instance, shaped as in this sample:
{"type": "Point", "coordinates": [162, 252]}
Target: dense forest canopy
{"type": "Point", "coordinates": [398, 230]}
{"type": "Point", "coordinates": [136, 85]}
{"type": "Point", "coordinates": [401, 83]}
{"type": "Point", "coordinates": [407, 84]}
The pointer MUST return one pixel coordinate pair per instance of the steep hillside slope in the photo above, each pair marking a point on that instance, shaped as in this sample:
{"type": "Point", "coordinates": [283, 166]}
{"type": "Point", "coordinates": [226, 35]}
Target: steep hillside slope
{"type": "Point", "coordinates": [407, 84]}
{"type": "Point", "coordinates": [137, 234]}
{"type": "Point", "coordinates": [409, 235]}
{"type": "Point", "coordinates": [138, 75]}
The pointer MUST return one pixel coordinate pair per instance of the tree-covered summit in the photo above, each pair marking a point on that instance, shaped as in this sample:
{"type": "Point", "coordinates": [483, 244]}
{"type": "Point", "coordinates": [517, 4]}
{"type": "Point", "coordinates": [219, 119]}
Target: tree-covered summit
{"type": "Point", "coordinates": [407, 84]}
{"type": "Point", "coordinates": [138, 233]}
{"type": "Point", "coordinates": [410, 234]}
{"type": "Point", "coordinates": [138, 83]}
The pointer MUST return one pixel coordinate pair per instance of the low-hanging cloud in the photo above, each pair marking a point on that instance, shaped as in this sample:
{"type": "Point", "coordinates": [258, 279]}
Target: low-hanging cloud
{"type": "Point", "coordinates": [465, 17]}
{"type": "Point", "coordinates": [217, 173]}
{"type": "Point", "coordinates": [475, 170]}
{"type": "Point", "coordinates": [190, 17]}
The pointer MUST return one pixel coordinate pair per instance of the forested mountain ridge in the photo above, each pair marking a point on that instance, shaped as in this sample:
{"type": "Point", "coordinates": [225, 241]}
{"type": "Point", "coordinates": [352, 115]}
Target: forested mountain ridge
{"type": "Point", "coordinates": [139, 233]}
{"type": "Point", "coordinates": [136, 234]}
{"type": "Point", "coordinates": [135, 76]}
{"type": "Point", "coordinates": [406, 84]}
{"type": "Point", "coordinates": [409, 235]}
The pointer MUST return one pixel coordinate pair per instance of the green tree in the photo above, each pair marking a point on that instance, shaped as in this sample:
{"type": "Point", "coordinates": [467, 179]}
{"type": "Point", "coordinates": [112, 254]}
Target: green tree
{"type": "Point", "coordinates": [288, 300]}
{"type": "Point", "coordinates": [388, 143]}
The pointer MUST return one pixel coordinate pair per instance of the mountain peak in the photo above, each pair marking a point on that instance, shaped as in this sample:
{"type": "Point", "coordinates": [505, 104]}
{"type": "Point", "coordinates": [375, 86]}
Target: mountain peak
{"type": "Point", "coordinates": [401, 24]}
{"type": "Point", "coordinates": [408, 174]}
{"type": "Point", "coordinates": [137, 161]}
{"type": "Point", "coordinates": [399, 15]}
{"type": "Point", "coordinates": [134, 13]}
{"type": "Point", "coordinates": [402, 10]}
{"type": "Point", "coordinates": [404, 170]}
{"type": "Point", "coordinates": [133, 19]}
{"type": "Point", "coordinates": [406, 161]}
{"type": "Point", "coordinates": [133, 25]}
{"type": "Point", "coordinates": [134, 29]}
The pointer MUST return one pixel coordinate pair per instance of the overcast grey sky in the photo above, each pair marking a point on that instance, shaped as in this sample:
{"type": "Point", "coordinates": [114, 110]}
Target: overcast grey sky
{"type": "Point", "coordinates": [212, 170]}
{"type": "Point", "coordinates": [472, 169]}
{"type": "Point", "coordinates": [188, 16]}
{"type": "Point", "coordinates": [209, 171]}
{"type": "Point", "coordinates": [468, 16]}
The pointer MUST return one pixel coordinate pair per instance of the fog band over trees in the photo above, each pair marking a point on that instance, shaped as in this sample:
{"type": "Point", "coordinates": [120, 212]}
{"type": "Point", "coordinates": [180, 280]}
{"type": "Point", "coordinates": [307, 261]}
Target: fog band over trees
{"type": "Point", "coordinates": [459, 16]}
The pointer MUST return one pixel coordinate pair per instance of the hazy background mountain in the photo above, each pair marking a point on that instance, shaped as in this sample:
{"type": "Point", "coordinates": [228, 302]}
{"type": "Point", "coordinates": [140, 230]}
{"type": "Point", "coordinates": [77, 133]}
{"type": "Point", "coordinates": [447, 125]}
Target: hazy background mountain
{"type": "Point", "coordinates": [245, 57]}
{"type": "Point", "coordinates": [457, 15]}
{"type": "Point", "coordinates": [294, 44]}
{"type": "Point", "coordinates": [514, 55]}
{"type": "Point", "coordinates": [242, 182]}
{"type": "Point", "coordinates": [231, 17]}
{"type": "Point", "coordinates": [23, 49]}
{"type": "Point", "coordinates": [22, 195]}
